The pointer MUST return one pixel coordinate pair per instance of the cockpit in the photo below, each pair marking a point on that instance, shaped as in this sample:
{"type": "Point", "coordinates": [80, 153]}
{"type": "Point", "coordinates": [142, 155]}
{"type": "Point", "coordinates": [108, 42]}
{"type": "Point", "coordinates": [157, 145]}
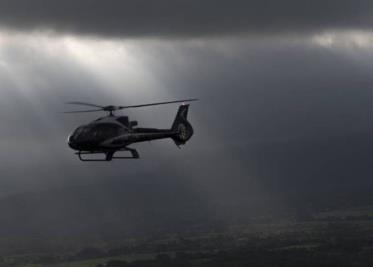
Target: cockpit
{"type": "Point", "coordinates": [95, 133]}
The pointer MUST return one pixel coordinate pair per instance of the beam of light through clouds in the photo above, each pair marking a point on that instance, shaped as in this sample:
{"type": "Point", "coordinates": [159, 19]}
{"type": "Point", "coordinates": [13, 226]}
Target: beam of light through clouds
{"type": "Point", "coordinates": [268, 76]}
{"type": "Point", "coordinates": [45, 70]}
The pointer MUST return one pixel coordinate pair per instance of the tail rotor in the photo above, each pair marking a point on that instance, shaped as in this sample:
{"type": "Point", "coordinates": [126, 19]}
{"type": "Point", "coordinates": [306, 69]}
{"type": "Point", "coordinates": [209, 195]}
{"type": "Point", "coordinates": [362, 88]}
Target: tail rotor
{"type": "Point", "coordinates": [181, 127]}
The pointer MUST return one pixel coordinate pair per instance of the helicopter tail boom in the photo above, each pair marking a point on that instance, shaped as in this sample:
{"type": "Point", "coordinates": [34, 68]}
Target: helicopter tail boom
{"type": "Point", "coordinates": [181, 127]}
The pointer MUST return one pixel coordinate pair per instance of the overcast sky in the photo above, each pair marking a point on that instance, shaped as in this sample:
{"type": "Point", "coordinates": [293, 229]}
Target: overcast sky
{"type": "Point", "coordinates": [281, 84]}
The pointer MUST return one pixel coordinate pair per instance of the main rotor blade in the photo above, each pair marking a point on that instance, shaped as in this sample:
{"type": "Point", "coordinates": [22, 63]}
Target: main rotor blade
{"type": "Point", "coordinates": [158, 103]}
{"type": "Point", "coordinates": [83, 111]}
{"type": "Point", "coordinates": [84, 104]}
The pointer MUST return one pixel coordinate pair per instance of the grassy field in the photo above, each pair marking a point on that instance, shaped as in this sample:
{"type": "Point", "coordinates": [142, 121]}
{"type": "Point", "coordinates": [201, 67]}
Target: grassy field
{"type": "Point", "coordinates": [94, 262]}
{"type": "Point", "coordinates": [341, 232]}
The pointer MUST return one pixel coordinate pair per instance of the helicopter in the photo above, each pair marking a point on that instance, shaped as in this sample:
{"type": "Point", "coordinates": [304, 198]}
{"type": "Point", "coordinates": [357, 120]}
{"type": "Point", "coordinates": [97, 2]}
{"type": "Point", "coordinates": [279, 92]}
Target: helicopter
{"type": "Point", "coordinates": [111, 134]}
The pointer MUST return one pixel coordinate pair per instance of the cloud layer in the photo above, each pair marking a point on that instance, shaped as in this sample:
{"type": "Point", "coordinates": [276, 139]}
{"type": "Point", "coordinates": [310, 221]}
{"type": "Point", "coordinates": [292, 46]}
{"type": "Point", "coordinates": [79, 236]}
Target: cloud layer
{"type": "Point", "coordinates": [182, 18]}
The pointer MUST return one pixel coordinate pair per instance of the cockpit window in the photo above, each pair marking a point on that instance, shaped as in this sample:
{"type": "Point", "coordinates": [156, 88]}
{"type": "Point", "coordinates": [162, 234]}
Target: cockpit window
{"type": "Point", "coordinates": [108, 130]}
{"type": "Point", "coordinates": [103, 131]}
{"type": "Point", "coordinates": [78, 132]}
{"type": "Point", "coordinates": [97, 132]}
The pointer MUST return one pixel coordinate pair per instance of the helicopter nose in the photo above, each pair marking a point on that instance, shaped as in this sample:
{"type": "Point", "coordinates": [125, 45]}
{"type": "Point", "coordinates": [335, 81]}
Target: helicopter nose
{"type": "Point", "coordinates": [71, 142]}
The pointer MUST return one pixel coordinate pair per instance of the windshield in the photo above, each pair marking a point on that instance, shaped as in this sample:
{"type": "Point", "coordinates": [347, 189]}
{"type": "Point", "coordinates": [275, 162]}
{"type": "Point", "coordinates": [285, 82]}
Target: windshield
{"type": "Point", "coordinates": [97, 132]}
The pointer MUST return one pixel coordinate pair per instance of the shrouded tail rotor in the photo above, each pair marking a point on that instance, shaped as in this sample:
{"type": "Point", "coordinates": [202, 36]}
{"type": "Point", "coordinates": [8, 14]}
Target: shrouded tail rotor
{"type": "Point", "coordinates": [181, 127]}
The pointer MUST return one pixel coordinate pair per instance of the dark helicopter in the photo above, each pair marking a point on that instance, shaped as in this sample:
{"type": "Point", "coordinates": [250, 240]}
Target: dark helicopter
{"type": "Point", "coordinates": [111, 134]}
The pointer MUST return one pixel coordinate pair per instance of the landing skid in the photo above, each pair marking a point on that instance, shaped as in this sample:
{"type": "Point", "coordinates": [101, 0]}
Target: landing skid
{"type": "Point", "coordinates": [108, 155]}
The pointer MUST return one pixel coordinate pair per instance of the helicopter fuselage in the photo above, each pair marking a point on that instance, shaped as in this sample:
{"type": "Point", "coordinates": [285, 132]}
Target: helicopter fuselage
{"type": "Point", "coordinates": [115, 133]}
{"type": "Point", "coordinates": [112, 133]}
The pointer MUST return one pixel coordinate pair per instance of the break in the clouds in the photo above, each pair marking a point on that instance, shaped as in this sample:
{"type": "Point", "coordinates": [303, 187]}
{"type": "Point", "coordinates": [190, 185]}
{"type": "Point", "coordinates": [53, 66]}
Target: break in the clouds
{"type": "Point", "coordinates": [185, 18]}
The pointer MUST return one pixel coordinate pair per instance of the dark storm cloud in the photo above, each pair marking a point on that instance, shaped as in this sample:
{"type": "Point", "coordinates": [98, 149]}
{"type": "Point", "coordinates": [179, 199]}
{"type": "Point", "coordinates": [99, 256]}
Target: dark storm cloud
{"type": "Point", "coordinates": [186, 18]}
